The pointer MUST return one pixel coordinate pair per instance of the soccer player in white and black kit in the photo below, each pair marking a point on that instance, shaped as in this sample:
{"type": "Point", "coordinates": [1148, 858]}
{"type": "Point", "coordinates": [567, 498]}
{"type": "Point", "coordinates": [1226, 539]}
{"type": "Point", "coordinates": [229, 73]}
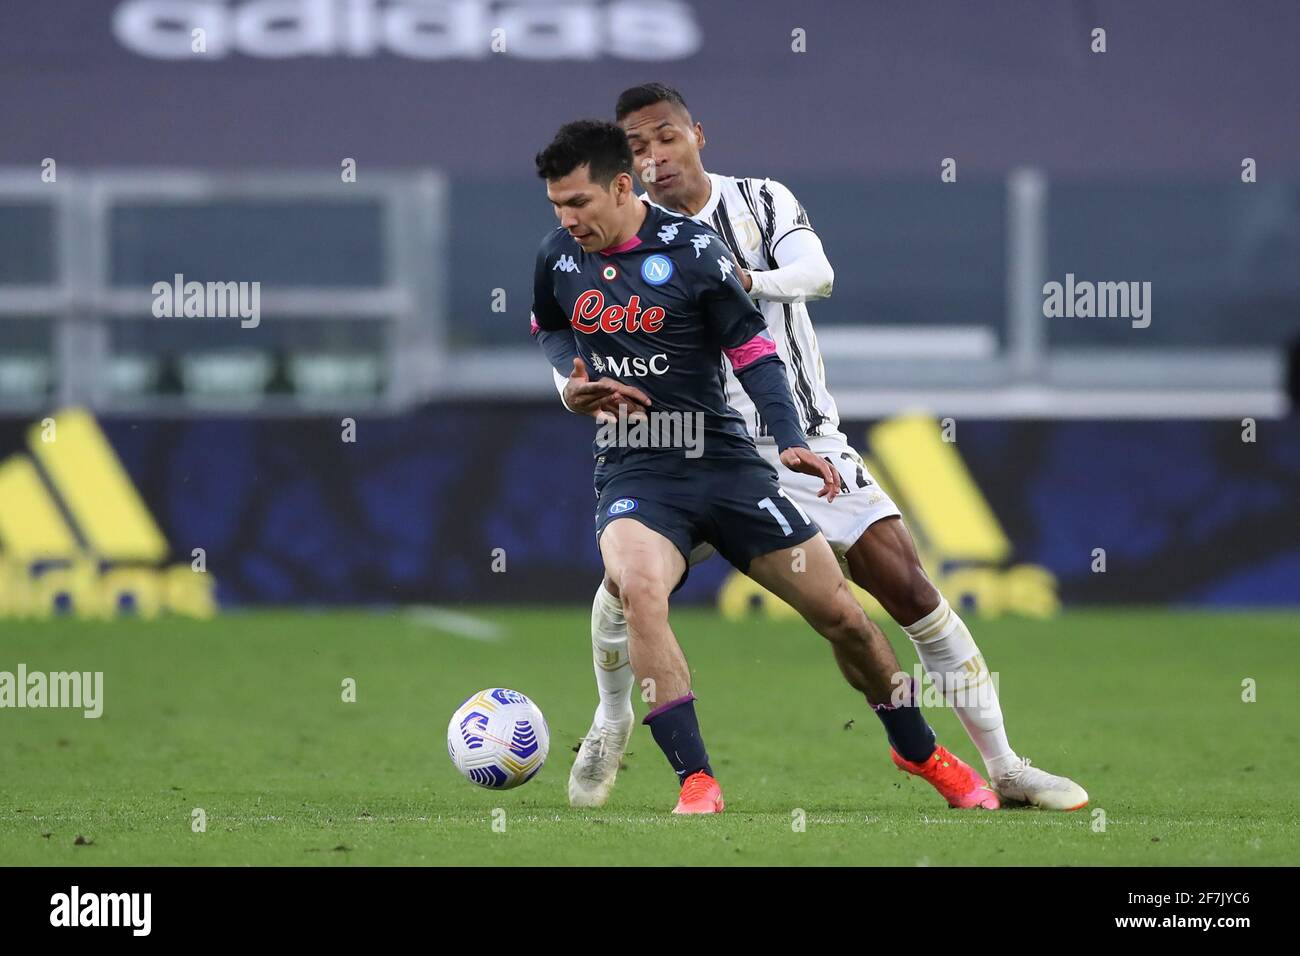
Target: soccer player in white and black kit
{"type": "Point", "coordinates": [783, 266]}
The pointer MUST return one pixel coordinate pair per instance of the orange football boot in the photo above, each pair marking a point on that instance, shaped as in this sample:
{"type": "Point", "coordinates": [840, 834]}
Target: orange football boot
{"type": "Point", "coordinates": [957, 781]}
{"type": "Point", "coordinates": [700, 794]}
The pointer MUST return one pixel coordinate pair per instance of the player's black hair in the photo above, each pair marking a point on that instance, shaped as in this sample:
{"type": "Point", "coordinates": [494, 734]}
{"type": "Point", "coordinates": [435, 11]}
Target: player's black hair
{"type": "Point", "coordinates": [600, 145]}
{"type": "Point", "coordinates": [647, 94]}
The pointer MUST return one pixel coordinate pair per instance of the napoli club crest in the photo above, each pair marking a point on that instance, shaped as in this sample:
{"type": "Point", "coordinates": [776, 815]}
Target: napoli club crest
{"type": "Point", "coordinates": [657, 270]}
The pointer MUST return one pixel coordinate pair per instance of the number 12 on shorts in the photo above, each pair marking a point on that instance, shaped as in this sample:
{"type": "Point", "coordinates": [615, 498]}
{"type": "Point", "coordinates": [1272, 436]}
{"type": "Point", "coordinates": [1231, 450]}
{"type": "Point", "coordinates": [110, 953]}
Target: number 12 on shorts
{"type": "Point", "coordinates": [768, 505]}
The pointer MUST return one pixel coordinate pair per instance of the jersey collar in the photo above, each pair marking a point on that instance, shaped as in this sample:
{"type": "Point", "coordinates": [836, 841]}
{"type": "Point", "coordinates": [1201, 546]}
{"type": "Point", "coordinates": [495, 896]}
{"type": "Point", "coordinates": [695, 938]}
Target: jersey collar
{"type": "Point", "coordinates": [627, 245]}
{"type": "Point", "coordinates": [715, 196]}
{"type": "Point", "coordinates": [706, 211]}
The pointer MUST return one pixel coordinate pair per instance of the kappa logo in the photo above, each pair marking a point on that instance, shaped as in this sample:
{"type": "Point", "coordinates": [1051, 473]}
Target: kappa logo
{"type": "Point", "coordinates": [657, 270]}
{"type": "Point", "coordinates": [700, 243]}
{"type": "Point", "coordinates": [726, 265]}
{"type": "Point", "coordinates": [669, 232]}
{"type": "Point", "coordinates": [76, 537]}
{"type": "Point", "coordinates": [566, 264]}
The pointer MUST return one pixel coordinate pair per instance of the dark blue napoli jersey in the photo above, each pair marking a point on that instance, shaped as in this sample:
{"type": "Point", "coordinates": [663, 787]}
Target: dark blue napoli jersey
{"type": "Point", "coordinates": [657, 312]}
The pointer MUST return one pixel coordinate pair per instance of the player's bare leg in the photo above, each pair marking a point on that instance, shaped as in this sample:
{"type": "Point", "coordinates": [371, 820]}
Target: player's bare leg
{"type": "Point", "coordinates": [645, 567]}
{"type": "Point", "coordinates": [808, 578]}
{"type": "Point", "coordinates": [871, 668]}
{"type": "Point", "coordinates": [883, 561]}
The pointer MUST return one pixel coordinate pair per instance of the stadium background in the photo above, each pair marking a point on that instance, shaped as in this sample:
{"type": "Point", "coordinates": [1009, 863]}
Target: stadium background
{"type": "Point", "coordinates": [337, 599]}
{"type": "Point", "coordinates": [399, 302]}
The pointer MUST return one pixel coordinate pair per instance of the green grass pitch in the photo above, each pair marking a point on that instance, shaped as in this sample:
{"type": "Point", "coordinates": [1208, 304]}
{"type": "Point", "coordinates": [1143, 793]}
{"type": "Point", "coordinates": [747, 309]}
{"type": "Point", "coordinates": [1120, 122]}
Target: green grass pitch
{"type": "Point", "coordinates": [243, 717]}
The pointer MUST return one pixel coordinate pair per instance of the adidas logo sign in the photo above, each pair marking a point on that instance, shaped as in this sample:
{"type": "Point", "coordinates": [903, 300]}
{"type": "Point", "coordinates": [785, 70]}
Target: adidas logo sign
{"type": "Point", "coordinates": [76, 538]}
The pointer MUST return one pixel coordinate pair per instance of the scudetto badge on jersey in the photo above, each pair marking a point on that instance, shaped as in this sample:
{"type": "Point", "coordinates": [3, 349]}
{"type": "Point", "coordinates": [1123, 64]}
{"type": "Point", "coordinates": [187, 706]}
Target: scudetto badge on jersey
{"type": "Point", "coordinates": [622, 506]}
{"type": "Point", "coordinates": [657, 270]}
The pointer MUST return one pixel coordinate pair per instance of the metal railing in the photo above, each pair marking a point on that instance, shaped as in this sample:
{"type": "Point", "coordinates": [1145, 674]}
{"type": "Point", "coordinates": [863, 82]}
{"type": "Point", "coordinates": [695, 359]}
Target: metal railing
{"type": "Point", "coordinates": [85, 302]}
{"type": "Point", "coordinates": [873, 370]}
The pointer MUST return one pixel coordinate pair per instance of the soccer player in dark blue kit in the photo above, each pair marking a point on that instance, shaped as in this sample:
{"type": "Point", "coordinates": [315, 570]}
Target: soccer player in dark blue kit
{"type": "Point", "coordinates": [653, 299]}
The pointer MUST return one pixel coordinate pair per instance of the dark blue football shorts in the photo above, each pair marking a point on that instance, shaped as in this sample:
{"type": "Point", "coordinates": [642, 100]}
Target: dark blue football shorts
{"type": "Point", "coordinates": [734, 504]}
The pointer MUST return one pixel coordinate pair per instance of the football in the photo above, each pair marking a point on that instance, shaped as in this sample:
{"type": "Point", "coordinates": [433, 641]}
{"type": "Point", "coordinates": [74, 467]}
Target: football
{"type": "Point", "coordinates": [498, 739]}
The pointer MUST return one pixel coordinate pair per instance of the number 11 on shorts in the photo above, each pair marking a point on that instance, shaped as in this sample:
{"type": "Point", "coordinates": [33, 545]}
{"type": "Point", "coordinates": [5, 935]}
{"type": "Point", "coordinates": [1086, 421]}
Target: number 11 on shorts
{"type": "Point", "coordinates": [770, 506]}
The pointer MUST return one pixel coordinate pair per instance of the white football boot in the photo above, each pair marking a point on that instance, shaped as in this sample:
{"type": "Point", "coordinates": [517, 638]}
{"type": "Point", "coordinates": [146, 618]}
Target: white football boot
{"type": "Point", "coordinates": [596, 768]}
{"type": "Point", "coordinates": [1026, 784]}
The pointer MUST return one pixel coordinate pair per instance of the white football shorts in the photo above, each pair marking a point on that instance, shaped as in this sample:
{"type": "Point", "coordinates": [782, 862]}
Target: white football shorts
{"type": "Point", "coordinates": [853, 511]}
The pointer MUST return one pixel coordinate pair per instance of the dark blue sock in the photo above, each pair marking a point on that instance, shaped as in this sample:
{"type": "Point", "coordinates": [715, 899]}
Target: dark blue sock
{"type": "Point", "coordinates": [906, 727]}
{"type": "Point", "coordinates": [677, 732]}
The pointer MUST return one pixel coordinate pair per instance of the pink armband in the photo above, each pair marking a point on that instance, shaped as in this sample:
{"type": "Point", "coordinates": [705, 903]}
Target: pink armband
{"type": "Point", "coordinates": [756, 348]}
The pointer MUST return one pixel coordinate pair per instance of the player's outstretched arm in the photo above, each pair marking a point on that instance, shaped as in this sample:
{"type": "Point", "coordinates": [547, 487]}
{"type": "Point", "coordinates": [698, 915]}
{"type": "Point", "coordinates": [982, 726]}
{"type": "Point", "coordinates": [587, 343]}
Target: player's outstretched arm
{"type": "Point", "coordinates": [761, 374]}
{"type": "Point", "coordinates": [752, 353]}
{"type": "Point", "coordinates": [802, 273]}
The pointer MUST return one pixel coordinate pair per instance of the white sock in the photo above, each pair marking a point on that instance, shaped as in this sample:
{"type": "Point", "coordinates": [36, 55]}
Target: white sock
{"type": "Point", "coordinates": [956, 667]}
{"type": "Point", "coordinates": [613, 668]}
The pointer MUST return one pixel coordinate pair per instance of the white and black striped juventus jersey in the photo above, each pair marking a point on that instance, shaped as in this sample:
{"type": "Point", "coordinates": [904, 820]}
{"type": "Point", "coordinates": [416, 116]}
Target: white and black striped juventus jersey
{"type": "Point", "coordinates": [752, 216]}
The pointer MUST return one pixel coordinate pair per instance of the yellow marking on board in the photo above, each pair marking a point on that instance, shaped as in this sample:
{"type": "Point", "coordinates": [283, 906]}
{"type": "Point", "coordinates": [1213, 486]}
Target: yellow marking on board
{"type": "Point", "coordinates": [940, 494]}
{"type": "Point", "coordinates": [31, 526]}
{"type": "Point", "coordinates": [87, 474]}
